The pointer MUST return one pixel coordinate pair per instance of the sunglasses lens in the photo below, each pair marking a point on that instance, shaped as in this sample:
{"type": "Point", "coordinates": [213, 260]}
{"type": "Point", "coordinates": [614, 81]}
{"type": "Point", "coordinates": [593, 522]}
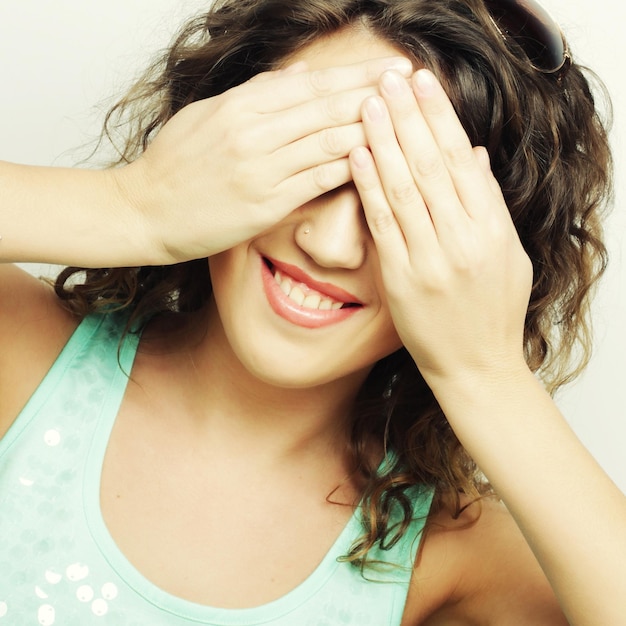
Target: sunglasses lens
{"type": "Point", "coordinates": [531, 26]}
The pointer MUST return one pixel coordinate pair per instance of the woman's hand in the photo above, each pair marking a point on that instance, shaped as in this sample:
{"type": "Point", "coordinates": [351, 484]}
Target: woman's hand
{"type": "Point", "coordinates": [226, 168]}
{"type": "Point", "coordinates": [219, 172]}
{"type": "Point", "coordinates": [458, 283]}
{"type": "Point", "coordinates": [457, 278]}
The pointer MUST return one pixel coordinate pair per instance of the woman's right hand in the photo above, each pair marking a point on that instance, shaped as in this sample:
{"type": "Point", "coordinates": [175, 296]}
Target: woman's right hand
{"type": "Point", "coordinates": [228, 167]}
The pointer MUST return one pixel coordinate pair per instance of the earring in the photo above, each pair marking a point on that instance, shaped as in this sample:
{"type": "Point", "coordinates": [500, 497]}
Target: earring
{"type": "Point", "coordinates": [307, 229]}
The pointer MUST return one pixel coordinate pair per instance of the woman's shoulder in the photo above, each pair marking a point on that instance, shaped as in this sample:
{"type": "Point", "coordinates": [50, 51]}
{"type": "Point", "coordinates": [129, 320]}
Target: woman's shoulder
{"type": "Point", "coordinates": [478, 569]}
{"type": "Point", "coordinates": [34, 327]}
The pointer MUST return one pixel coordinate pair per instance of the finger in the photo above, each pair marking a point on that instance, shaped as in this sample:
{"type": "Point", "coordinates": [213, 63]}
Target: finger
{"type": "Point", "coordinates": [459, 158]}
{"type": "Point", "coordinates": [386, 232]}
{"type": "Point", "coordinates": [294, 68]}
{"type": "Point", "coordinates": [422, 153]}
{"type": "Point", "coordinates": [291, 89]}
{"type": "Point", "coordinates": [396, 179]}
{"type": "Point", "coordinates": [274, 132]}
{"type": "Point", "coordinates": [311, 117]}
{"type": "Point", "coordinates": [485, 162]}
{"type": "Point", "coordinates": [329, 144]}
{"type": "Point", "coordinates": [311, 183]}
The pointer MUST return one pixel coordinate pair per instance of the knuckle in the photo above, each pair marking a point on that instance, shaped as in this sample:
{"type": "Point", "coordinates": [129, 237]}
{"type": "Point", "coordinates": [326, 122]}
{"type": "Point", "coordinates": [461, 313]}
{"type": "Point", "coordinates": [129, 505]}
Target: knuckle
{"type": "Point", "coordinates": [246, 138]}
{"type": "Point", "coordinates": [498, 232]}
{"type": "Point", "coordinates": [383, 221]}
{"type": "Point", "coordinates": [459, 155]}
{"type": "Point", "coordinates": [464, 263]}
{"type": "Point", "coordinates": [239, 141]}
{"type": "Point", "coordinates": [255, 189]}
{"type": "Point", "coordinates": [435, 276]}
{"type": "Point", "coordinates": [320, 82]}
{"type": "Point", "coordinates": [432, 284]}
{"type": "Point", "coordinates": [372, 71]}
{"type": "Point", "coordinates": [331, 142]}
{"type": "Point", "coordinates": [263, 76]}
{"type": "Point", "coordinates": [321, 177]}
{"type": "Point", "coordinates": [470, 260]}
{"type": "Point", "coordinates": [336, 108]}
{"type": "Point", "coordinates": [231, 101]}
{"type": "Point", "coordinates": [429, 165]}
{"type": "Point", "coordinates": [405, 193]}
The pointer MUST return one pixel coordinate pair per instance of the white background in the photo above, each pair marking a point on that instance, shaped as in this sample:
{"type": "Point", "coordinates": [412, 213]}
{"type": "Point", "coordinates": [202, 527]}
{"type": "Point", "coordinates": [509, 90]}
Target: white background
{"type": "Point", "coordinates": [61, 60]}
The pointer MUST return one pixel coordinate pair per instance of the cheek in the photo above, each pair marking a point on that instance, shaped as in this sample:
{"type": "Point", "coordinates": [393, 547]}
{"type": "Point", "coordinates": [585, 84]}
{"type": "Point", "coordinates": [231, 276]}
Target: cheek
{"type": "Point", "coordinates": [217, 264]}
{"type": "Point", "coordinates": [388, 332]}
{"type": "Point", "coordinates": [223, 270]}
{"type": "Point", "coordinates": [389, 340]}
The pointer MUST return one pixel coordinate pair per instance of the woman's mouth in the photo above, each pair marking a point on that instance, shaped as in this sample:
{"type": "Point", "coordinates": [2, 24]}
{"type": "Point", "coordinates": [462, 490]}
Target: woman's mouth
{"type": "Point", "coordinates": [304, 296]}
{"type": "Point", "coordinates": [303, 301]}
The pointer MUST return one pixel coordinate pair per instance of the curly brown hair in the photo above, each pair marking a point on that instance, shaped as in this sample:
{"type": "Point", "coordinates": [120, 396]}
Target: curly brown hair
{"type": "Point", "coordinates": [549, 152]}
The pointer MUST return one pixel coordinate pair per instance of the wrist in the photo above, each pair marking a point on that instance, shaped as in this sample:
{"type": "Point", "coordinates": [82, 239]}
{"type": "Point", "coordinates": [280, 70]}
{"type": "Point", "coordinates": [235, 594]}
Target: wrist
{"type": "Point", "coordinates": [135, 210]}
{"type": "Point", "coordinates": [470, 378]}
{"type": "Point", "coordinates": [481, 387]}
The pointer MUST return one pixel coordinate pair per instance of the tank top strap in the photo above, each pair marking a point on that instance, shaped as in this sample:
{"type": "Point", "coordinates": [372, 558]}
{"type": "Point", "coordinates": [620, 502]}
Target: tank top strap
{"type": "Point", "coordinates": [398, 559]}
{"type": "Point", "coordinates": [377, 593]}
{"type": "Point", "coordinates": [94, 352]}
{"type": "Point", "coordinates": [58, 563]}
{"type": "Point", "coordinates": [399, 556]}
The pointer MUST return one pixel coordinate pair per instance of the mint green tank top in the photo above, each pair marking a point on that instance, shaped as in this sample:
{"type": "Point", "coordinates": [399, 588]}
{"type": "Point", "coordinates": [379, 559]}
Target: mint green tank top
{"type": "Point", "coordinates": [60, 566]}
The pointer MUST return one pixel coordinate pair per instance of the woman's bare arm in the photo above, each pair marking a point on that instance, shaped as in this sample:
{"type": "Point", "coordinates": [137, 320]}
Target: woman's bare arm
{"type": "Point", "coordinates": [220, 171]}
{"type": "Point", "coordinates": [68, 216]}
{"type": "Point", "coordinates": [458, 283]}
{"type": "Point", "coordinates": [477, 568]}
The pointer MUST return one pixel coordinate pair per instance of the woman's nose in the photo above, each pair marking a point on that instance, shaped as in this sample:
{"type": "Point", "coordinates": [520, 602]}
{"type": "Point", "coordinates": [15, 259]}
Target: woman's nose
{"type": "Point", "coordinates": [333, 231]}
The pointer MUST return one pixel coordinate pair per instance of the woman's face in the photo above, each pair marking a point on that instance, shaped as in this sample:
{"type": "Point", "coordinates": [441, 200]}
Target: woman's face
{"type": "Point", "coordinates": [303, 303]}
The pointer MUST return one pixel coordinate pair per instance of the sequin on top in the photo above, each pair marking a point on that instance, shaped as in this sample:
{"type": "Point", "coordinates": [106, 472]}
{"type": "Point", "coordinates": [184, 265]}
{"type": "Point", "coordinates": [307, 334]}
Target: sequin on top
{"type": "Point", "coordinates": [60, 566]}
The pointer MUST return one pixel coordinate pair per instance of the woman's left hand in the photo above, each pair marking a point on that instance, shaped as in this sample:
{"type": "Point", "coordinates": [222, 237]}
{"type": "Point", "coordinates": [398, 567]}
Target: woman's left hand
{"type": "Point", "coordinates": [456, 275]}
{"type": "Point", "coordinates": [458, 283]}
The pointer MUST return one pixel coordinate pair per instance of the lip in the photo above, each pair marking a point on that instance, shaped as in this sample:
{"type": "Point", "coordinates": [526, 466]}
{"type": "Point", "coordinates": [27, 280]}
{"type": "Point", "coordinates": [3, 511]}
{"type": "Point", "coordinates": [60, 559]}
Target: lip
{"type": "Point", "coordinates": [328, 289]}
{"type": "Point", "coordinates": [289, 310]}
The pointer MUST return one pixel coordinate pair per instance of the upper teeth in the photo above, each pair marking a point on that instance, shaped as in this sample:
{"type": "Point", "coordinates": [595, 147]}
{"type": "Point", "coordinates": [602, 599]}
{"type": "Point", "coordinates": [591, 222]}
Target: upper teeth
{"type": "Point", "coordinates": [310, 300]}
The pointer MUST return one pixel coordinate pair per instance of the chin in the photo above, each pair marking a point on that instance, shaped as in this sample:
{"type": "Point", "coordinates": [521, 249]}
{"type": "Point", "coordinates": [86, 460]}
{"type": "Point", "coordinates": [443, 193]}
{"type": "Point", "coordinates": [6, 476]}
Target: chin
{"type": "Point", "coordinates": [300, 371]}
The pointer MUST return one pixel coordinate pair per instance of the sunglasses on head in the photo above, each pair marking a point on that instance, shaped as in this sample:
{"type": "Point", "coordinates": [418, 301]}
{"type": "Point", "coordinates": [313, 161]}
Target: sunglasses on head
{"type": "Point", "coordinates": [533, 29]}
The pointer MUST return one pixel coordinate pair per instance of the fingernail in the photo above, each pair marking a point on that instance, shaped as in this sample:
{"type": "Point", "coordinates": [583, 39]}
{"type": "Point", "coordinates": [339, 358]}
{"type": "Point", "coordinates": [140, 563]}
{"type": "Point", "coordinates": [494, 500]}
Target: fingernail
{"type": "Point", "coordinates": [393, 83]}
{"type": "Point", "coordinates": [483, 157]}
{"type": "Point", "coordinates": [374, 109]}
{"type": "Point", "coordinates": [360, 157]}
{"type": "Point", "coordinates": [425, 82]}
{"type": "Point", "coordinates": [296, 67]}
{"type": "Point", "coordinates": [402, 65]}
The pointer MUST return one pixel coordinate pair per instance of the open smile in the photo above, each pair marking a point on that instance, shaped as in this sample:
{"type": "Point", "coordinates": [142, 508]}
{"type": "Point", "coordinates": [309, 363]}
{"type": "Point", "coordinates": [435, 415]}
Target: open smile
{"type": "Point", "coordinates": [301, 300]}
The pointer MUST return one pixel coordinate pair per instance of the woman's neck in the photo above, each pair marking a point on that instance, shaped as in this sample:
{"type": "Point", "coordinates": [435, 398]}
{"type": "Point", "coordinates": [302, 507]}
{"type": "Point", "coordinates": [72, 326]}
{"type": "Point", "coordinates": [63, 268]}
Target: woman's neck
{"type": "Point", "coordinates": [232, 410]}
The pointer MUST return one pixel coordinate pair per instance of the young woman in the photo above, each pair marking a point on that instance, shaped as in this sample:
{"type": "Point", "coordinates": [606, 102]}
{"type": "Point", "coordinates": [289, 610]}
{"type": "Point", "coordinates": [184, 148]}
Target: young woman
{"type": "Point", "coordinates": [332, 280]}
